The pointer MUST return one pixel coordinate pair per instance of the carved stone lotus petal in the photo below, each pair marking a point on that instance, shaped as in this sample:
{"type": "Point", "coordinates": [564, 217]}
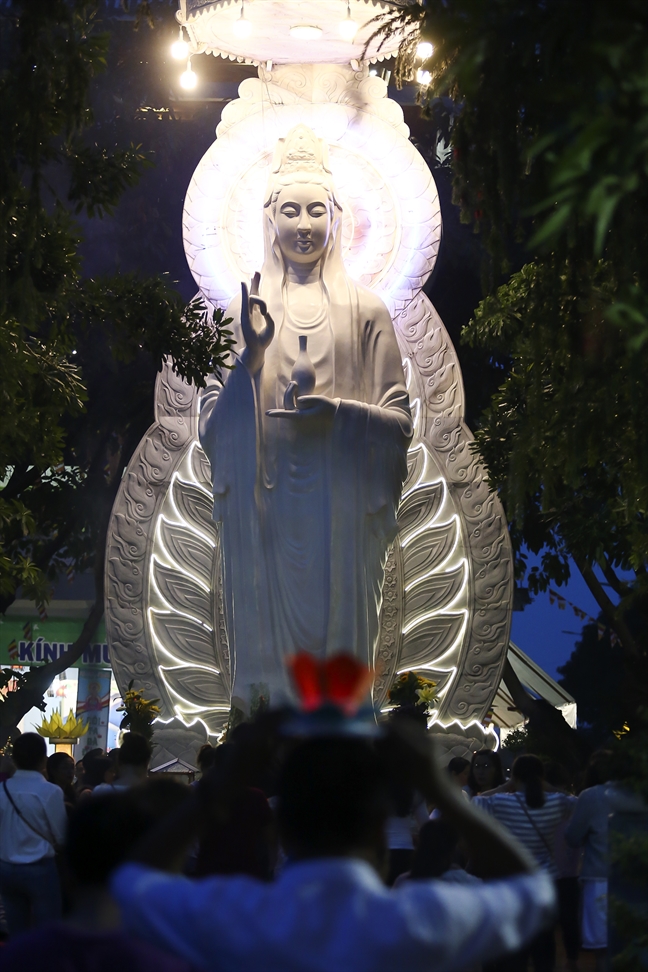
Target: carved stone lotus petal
{"type": "Point", "coordinates": [430, 639]}
{"type": "Point", "coordinates": [200, 467]}
{"type": "Point", "coordinates": [195, 507]}
{"type": "Point", "coordinates": [434, 593]}
{"type": "Point", "coordinates": [182, 592]}
{"type": "Point", "coordinates": [420, 505]}
{"type": "Point", "coordinates": [185, 638]}
{"type": "Point", "coordinates": [204, 687]}
{"type": "Point", "coordinates": [427, 551]}
{"type": "Point", "coordinates": [415, 466]}
{"type": "Point", "coordinates": [188, 550]}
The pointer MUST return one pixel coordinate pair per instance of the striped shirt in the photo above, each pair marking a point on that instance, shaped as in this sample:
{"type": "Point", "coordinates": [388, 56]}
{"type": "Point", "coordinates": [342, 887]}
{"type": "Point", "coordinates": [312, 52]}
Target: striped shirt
{"type": "Point", "coordinates": [534, 827]}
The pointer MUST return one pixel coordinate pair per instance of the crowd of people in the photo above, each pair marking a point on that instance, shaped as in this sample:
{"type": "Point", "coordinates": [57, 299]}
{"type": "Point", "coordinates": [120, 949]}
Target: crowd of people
{"type": "Point", "coordinates": [322, 852]}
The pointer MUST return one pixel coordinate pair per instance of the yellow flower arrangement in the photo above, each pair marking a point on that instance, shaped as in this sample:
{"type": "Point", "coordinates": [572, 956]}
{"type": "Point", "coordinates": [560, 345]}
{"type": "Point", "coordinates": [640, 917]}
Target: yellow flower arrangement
{"type": "Point", "coordinates": [140, 712]}
{"type": "Point", "coordinates": [56, 728]}
{"type": "Point", "coordinates": [412, 689]}
{"type": "Point", "coordinates": [426, 695]}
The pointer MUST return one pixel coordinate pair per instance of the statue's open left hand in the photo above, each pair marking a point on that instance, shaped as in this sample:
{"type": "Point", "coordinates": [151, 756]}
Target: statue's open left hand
{"type": "Point", "coordinates": [308, 406]}
{"type": "Point", "coordinates": [257, 325]}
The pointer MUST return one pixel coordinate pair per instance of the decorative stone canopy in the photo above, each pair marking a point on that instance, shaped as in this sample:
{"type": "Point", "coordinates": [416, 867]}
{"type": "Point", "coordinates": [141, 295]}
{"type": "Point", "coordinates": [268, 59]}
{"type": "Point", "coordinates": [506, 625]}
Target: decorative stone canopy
{"type": "Point", "coordinates": [210, 26]}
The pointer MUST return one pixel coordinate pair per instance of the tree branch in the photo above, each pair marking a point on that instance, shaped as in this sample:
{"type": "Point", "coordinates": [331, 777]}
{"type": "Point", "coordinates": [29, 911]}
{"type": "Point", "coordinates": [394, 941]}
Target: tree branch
{"type": "Point", "coordinates": [612, 614]}
{"type": "Point", "coordinates": [617, 585]}
{"type": "Point", "coordinates": [21, 478]}
{"type": "Point", "coordinates": [38, 680]}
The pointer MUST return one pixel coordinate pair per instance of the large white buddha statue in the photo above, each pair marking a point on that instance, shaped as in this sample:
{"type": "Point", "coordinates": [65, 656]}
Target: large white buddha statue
{"type": "Point", "coordinates": [306, 486]}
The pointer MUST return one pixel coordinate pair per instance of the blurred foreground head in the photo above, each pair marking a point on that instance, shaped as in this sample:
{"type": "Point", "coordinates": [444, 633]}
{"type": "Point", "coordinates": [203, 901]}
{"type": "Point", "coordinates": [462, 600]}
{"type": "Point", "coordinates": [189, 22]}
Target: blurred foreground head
{"type": "Point", "coordinates": [135, 750]}
{"type": "Point", "coordinates": [105, 829]}
{"type": "Point", "coordinates": [333, 799]}
{"type": "Point", "coordinates": [30, 752]}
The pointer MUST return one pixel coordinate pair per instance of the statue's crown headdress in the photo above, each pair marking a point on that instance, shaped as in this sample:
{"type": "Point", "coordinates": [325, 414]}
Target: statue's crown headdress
{"type": "Point", "coordinates": [301, 151]}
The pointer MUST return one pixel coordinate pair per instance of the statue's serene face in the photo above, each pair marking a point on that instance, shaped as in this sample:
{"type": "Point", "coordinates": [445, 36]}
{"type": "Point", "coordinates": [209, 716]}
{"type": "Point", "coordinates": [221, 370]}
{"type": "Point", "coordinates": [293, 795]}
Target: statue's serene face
{"type": "Point", "coordinates": [303, 222]}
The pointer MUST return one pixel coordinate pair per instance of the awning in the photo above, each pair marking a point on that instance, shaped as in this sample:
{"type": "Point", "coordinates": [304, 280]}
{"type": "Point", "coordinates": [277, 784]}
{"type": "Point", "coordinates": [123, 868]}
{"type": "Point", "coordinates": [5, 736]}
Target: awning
{"type": "Point", "coordinates": [539, 684]}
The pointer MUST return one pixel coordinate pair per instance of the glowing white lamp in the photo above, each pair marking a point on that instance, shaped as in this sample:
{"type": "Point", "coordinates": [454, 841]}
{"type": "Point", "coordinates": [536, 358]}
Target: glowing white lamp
{"type": "Point", "coordinates": [348, 26]}
{"type": "Point", "coordinates": [306, 32]}
{"type": "Point", "coordinates": [180, 50]}
{"type": "Point", "coordinates": [189, 79]}
{"type": "Point", "coordinates": [424, 50]}
{"type": "Point", "coordinates": [242, 27]}
{"type": "Point", "coordinates": [423, 77]}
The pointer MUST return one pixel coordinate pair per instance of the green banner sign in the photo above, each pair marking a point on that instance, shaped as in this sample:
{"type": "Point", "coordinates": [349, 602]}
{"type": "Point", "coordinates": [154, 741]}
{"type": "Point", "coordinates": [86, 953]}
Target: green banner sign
{"type": "Point", "coordinates": [25, 641]}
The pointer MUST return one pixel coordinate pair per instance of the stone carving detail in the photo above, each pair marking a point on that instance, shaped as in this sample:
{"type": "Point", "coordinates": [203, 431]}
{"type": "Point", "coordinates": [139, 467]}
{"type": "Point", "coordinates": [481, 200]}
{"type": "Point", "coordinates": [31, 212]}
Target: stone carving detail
{"type": "Point", "coordinates": [447, 592]}
{"type": "Point", "coordinates": [435, 384]}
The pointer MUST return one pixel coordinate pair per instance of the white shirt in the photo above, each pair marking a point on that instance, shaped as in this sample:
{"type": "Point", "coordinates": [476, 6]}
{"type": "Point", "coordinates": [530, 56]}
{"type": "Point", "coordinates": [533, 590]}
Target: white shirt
{"type": "Point", "coordinates": [42, 804]}
{"type": "Point", "coordinates": [331, 915]}
{"type": "Point", "coordinates": [400, 831]}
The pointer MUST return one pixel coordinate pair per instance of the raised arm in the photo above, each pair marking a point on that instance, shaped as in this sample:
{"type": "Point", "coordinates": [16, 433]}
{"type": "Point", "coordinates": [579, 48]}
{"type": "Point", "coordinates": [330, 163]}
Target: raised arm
{"type": "Point", "coordinates": [493, 852]}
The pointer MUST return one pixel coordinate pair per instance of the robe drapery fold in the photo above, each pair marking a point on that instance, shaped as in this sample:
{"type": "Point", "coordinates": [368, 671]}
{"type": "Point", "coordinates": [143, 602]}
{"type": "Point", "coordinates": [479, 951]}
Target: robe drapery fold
{"type": "Point", "coordinates": [308, 506]}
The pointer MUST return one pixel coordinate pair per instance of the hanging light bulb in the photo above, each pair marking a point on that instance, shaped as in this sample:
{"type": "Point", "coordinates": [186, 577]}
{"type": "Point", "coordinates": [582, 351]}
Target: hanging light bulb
{"type": "Point", "coordinates": [424, 50]}
{"type": "Point", "coordinates": [180, 49]}
{"type": "Point", "coordinates": [242, 27]}
{"type": "Point", "coordinates": [189, 79]}
{"type": "Point", "coordinates": [348, 26]}
{"type": "Point", "coordinates": [423, 77]}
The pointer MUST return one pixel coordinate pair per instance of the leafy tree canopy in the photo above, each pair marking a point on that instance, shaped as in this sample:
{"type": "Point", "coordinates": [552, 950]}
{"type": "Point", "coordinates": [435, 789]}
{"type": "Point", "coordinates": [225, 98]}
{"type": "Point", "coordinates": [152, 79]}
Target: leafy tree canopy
{"type": "Point", "coordinates": [550, 159]}
{"type": "Point", "coordinates": [78, 354]}
{"type": "Point", "coordinates": [602, 704]}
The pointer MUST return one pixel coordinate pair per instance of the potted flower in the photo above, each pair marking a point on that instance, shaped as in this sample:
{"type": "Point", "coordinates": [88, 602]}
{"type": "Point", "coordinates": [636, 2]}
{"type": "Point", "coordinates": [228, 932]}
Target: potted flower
{"type": "Point", "coordinates": [141, 713]}
{"type": "Point", "coordinates": [412, 696]}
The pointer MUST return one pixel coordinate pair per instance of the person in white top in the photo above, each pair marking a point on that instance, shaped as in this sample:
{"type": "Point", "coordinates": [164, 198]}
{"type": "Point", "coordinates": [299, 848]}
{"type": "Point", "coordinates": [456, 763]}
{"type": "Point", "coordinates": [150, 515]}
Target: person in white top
{"type": "Point", "coordinates": [32, 825]}
{"type": "Point", "coordinates": [329, 911]}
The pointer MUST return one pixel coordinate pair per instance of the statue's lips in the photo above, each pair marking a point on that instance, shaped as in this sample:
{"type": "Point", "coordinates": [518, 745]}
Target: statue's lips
{"type": "Point", "coordinates": [304, 245]}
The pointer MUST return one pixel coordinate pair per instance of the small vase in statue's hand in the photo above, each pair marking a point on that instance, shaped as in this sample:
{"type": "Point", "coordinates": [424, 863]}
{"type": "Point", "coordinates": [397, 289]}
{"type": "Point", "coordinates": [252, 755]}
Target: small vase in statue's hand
{"type": "Point", "coordinates": [302, 377]}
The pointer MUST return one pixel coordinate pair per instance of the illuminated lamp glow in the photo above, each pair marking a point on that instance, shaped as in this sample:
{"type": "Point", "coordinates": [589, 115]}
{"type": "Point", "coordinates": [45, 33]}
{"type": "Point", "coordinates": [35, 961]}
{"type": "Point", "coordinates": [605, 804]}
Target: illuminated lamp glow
{"type": "Point", "coordinates": [242, 27]}
{"type": "Point", "coordinates": [306, 32]}
{"type": "Point", "coordinates": [348, 27]}
{"type": "Point", "coordinates": [423, 77]}
{"type": "Point", "coordinates": [424, 50]}
{"type": "Point", "coordinates": [180, 50]}
{"type": "Point", "coordinates": [189, 79]}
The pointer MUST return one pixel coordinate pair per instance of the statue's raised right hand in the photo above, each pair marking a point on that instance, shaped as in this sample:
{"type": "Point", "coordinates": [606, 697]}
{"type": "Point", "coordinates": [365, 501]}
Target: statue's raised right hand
{"type": "Point", "coordinates": [257, 326]}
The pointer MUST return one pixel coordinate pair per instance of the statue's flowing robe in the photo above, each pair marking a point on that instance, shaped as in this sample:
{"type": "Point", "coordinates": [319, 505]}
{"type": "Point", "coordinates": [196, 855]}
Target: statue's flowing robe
{"type": "Point", "coordinates": [307, 507]}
